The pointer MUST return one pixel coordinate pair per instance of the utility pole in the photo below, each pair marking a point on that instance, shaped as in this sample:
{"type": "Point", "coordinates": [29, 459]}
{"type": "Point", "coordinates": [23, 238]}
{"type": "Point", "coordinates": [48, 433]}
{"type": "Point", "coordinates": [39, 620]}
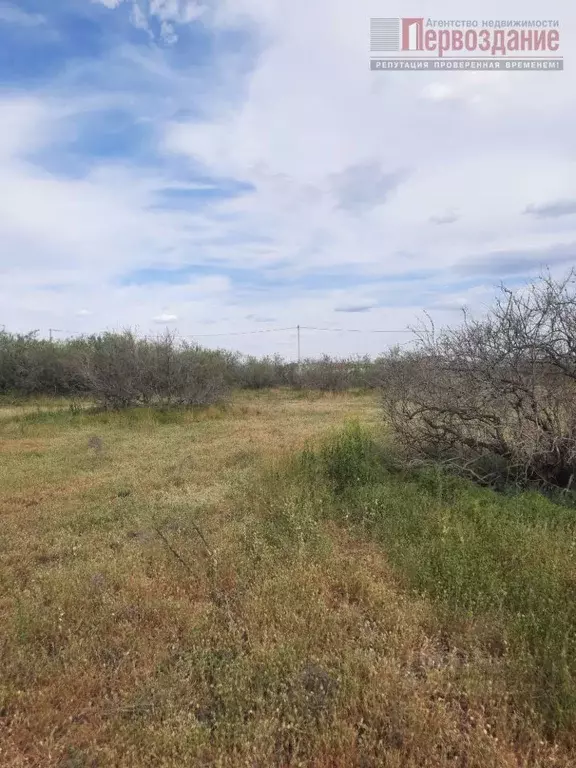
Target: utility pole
{"type": "Point", "coordinates": [298, 327]}
{"type": "Point", "coordinates": [51, 331]}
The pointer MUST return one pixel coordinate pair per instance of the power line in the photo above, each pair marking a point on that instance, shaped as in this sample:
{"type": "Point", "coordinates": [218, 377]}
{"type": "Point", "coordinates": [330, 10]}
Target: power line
{"type": "Point", "coordinates": [353, 330]}
{"type": "Point", "coordinates": [239, 333]}
{"type": "Point", "coordinates": [76, 333]}
{"type": "Point", "coordinates": [249, 333]}
{"type": "Point", "coordinates": [296, 328]}
{"type": "Point", "coordinates": [299, 328]}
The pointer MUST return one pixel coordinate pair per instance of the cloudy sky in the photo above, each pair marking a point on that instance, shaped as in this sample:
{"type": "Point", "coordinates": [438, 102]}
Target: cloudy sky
{"type": "Point", "coordinates": [223, 166]}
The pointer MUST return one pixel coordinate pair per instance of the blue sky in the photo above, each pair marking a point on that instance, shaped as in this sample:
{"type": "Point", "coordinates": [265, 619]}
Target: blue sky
{"type": "Point", "coordinates": [232, 165]}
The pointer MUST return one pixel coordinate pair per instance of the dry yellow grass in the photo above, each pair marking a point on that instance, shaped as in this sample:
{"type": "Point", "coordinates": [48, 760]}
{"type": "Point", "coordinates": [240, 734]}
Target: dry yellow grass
{"type": "Point", "coordinates": [145, 621]}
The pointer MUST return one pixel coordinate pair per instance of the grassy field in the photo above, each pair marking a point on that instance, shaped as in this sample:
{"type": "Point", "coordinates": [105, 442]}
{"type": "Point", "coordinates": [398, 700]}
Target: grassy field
{"type": "Point", "coordinates": [259, 585]}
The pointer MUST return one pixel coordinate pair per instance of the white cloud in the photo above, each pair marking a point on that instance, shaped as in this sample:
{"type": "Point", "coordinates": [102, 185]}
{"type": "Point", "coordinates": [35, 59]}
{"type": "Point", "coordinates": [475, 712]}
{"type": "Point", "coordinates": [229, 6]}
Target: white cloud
{"type": "Point", "coordinates": [167, 33]}
{"type": "Point", "coordinates": [109, 3]}
{"type": "Point", "coordinates": [166, 12]}
{"type": "Point", "coordinates": [138, 18]}
{"type": "Point", "coordinates": [165, 318]}
{"type": "Point", "coordinates": [180, 11]}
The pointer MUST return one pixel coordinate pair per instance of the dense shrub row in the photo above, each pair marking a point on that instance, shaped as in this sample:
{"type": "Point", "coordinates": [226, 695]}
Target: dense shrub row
{"type": "Point", "coordinates": [122, 369]}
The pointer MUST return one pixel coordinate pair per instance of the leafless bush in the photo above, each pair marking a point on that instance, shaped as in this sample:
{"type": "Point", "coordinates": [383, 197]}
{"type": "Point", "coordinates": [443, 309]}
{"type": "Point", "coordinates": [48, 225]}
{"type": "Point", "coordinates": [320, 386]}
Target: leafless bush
{"type": "Point", "coordinates": [495, 396]}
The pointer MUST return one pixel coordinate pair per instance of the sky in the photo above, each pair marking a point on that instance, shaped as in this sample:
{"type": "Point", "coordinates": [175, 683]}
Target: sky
{"type": "Point", "coordinates": [221, 167]}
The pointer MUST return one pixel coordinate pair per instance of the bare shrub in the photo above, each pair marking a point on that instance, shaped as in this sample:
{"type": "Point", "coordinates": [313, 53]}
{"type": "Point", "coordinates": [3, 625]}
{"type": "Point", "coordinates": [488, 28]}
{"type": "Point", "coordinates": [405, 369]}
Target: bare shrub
{"type": "Point", "coordinates": [495, 396]}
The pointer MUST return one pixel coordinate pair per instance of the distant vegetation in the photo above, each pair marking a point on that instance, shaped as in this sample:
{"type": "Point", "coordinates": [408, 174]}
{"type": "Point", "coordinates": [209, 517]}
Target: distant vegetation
{"type": "Point", "coordinates": [492, 398]}
{"type": "Point", "coordinates": [123, 370]}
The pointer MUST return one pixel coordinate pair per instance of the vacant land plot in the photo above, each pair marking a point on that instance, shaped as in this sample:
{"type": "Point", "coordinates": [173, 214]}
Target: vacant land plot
{"type": "Point", "coordinates": [193, 588]}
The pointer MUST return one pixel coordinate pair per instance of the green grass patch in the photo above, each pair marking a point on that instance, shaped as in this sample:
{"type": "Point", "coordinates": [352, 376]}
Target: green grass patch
{"type": "Point", "coordinates": [489, 560]}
